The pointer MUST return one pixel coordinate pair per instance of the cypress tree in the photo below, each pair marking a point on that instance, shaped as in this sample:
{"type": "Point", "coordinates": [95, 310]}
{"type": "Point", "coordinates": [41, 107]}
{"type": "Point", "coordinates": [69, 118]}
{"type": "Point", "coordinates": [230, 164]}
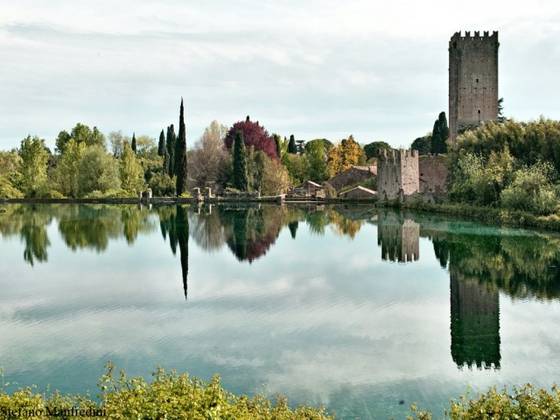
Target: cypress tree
{"type": "Point", "coordinates": [292, 147]}
{"type": "Point", "coordinates": [170, 144]}
{"type": "Point", "coordinates": [161, 144]}
{"type": "Point", "coordinates": [181, 154]}
{"type": "Point", "coordinates": [440, 134]}
{"type": "Point", "coordinates": [240, 176]}
{"type": "Point", "coordinates": [133, 144]}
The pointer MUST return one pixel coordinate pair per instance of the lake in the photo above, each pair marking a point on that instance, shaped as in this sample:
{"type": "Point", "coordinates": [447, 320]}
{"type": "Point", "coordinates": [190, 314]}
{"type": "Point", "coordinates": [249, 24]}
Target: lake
{"type": "Point", "coordinates": [361, 309]}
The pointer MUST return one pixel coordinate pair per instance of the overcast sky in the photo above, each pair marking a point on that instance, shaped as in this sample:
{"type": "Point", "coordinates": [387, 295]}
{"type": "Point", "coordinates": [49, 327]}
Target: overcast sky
{"type": "Point", "coordinates": [375, 69]}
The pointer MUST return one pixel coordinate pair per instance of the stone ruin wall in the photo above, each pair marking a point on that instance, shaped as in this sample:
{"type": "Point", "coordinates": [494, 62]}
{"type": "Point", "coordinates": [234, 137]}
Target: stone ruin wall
{"type": "Point", "coordinates": [397, 174]}
{"type": "Point", "coordinates": [434, 174]}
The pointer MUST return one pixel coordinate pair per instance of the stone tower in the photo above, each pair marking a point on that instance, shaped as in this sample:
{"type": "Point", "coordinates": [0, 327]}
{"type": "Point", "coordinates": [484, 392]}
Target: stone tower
{"type": "Point", "coordinates": [473, 80]}
{"type": "Point", "coordinates": [397, 174]}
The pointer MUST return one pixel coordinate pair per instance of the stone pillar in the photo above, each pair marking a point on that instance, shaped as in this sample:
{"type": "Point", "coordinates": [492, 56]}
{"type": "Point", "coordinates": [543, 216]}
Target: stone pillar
{"type": "Point", "coordinates": [196, 194]}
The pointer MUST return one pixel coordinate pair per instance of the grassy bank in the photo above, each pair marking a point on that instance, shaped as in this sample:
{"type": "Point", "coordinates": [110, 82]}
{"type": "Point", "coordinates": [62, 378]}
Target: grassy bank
{"type": "Point", "coordinates": [489, 215]}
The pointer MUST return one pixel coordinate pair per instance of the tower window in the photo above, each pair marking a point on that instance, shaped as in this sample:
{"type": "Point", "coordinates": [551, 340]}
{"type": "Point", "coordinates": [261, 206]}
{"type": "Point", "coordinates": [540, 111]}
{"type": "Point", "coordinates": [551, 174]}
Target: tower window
{"type": "Point", "coordinates": [477, 80]}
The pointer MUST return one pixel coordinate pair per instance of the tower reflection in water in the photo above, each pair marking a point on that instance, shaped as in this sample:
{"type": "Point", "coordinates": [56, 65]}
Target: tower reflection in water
{"type": "Point", "coordinates": [475, 305]}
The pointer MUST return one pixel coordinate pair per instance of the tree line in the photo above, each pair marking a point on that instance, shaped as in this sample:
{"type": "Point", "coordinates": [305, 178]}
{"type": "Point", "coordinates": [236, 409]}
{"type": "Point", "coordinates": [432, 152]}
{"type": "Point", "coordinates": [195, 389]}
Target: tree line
{"type": "Point", "coordinates": [243, 157]}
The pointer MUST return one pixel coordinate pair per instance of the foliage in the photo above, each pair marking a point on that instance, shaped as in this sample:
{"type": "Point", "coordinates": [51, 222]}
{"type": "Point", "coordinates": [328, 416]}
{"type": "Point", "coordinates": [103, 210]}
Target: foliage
{"type": "Point", "coordinates": [98, 171]}
{"type": "Point", "coordinates": [372, 149]}
{"type": "Point", "coordinates": [162, 185]}
{"type": "Point", "coordinates": [292, 147]}
{"type": "Point", "coordinates": [66, 174]}
{"type": "Point", "coordinates": [345, 155]}
{"type": "Point", "coordinates": [526, 402]}
{"type": "Point", "coordinates": [170, 141]}
{"type": "Point", "coordinates": [209, 161]}
{"type": "Point", "coordinates": [181, 154]}
{"type": "Point", "coordinates": [169, 395]}
{"type": "Point", "coordinates": [34, 156]}
{"type": "Point", "coordinates": [327, 145]}
{"type": "Point", "coordinates": [528, 142]}
{"type": "Point", "coordinates": [297, 167]}
{"type": "Point", "coordinates": [240, 175]}
{"type": "Point", "coordinates": [253, 135]}
{"type": "Point", "coordinates": [10, 175]}
{"type": "Point", "coordinates": [131, 172]}
{"type": "Point", "coordinates": [481, 182]}
{"type": "Point", "coordinates": [275, 177]}
{"type": "Point", "coordinates": [161, 144]}
{"type": "Point", "coordinates": [440, 134]}
{"type": "Point", "coordinates": [531, 190]}
{"type": "Point", "coordinates": [316, 156]}
{"type": "Point", "coordinates": [81, 133]}
{"type": "Point", "coordinates": [7, 189]}
{"type": "Point", "coordinates": [423, 144]}
{"type": "Point", "coordinates": [133, 143]}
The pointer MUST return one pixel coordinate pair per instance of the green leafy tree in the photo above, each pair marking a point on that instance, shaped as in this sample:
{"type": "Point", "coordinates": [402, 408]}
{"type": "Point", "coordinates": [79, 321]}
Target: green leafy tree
{"type": "Point", "coordinates": [10, 175]}
{"type": "Point", "coordinates": [35, 158]}
{"type": "Point", "coordinates": [531, 190]}
{"type": "Point", "coordinates": [181, 154]}
{"type": "Point", "coordinates": [99, 172]}
{"type": "Point", "coordinates": [131, 172]}
{"type": "Point", "coordinates": [67, 171]}
{"type": "Point", "coordinates": [240, 175]}
{"type": "Point", "coordinates": [292, 146]}
{"type": "Point", "coordinates": [81, 133]}
{"type": "Point", "coordinates": [373, 149]}
{"type": "Point", "coordinates": [423, 144]}
{"type": "Point", "coordinates": [316, 156]}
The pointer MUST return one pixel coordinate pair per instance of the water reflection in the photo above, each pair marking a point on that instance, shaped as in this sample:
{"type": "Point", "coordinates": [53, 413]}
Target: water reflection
{"type": "Point", "coordinates": [483, 262]}
{"type": "Point", "coordinates": [398, 237]}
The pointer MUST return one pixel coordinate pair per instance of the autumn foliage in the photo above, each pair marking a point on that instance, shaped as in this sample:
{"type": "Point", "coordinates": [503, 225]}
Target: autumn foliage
{"type": "Point", "coordinates": [254, 135]}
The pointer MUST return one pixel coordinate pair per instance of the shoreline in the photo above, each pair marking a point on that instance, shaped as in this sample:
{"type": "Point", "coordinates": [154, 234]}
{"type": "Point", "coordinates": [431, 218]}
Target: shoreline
{"type": "Point", "coordinates": [487, 215]}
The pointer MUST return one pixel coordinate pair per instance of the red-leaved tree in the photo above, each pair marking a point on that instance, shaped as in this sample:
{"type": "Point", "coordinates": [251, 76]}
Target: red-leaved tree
{"type": "Point", "coordinates": [254, 135]}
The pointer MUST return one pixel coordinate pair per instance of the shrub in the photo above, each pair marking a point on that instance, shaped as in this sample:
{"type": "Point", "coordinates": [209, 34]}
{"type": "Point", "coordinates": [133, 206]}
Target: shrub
{"type": "Point", "coordinates": [169, 395]}
{"type": "Point", "coordinates": [531, 190]}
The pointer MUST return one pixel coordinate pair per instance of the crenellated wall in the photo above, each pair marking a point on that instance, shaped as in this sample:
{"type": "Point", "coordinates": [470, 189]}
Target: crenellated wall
{"type": "Point", "coordinates": [397, 174]}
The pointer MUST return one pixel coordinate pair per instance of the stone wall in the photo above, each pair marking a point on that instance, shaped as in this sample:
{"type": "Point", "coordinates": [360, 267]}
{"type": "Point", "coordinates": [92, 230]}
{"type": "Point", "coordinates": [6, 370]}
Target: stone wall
{"type": "Point", "coordinates": [473, 80]}
{"type": "Point", "coordinates": [433, 174]}
{"type": "Point", "coordinates": [397, 174]}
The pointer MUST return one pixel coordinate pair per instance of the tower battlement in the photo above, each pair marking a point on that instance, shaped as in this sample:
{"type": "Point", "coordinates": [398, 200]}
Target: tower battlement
{"type": "Point", "coordinates": [473, 36]}
{"type": "Point", "coordinates": [473, 80]}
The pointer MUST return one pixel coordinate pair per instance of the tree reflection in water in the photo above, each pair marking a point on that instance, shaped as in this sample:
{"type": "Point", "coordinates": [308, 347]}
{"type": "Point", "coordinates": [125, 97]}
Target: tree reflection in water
{"type": "Point", "coordinates": [482, 261]}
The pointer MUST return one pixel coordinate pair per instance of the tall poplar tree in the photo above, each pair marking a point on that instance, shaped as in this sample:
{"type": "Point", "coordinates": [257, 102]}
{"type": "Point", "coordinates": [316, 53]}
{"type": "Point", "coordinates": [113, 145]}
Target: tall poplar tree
{"type": "Point", "coordinates": [181, 154]}
{"type": "Point", "coordinates": [161, 144]}
{"type": "Point", "coordinates": [240, 175]}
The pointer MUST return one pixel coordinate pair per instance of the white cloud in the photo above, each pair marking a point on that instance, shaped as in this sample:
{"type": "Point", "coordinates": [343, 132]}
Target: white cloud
{"type": "Point", "coordinates": [317, 68]}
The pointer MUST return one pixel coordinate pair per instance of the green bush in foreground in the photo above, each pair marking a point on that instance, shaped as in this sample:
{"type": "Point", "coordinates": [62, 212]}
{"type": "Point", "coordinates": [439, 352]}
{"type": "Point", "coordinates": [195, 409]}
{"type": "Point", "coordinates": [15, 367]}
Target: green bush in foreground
{"type": "Point", "coordinates": [526, 402]}
{"type": "Point", "coordinates": [169, 396]}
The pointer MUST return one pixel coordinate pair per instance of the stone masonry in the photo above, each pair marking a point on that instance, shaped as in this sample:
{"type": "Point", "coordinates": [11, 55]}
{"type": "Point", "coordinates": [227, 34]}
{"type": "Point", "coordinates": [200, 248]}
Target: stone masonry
{"type": "Point", "coordinates": [397, 174]}
{"type": "Point", "coordinates": [473, 80]}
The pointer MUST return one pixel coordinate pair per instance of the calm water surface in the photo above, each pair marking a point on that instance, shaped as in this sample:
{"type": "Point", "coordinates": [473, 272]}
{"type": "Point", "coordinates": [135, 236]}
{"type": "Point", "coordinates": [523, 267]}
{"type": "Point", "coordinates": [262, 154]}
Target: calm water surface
{"type": "Point", "coordinates": [361, 310]}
